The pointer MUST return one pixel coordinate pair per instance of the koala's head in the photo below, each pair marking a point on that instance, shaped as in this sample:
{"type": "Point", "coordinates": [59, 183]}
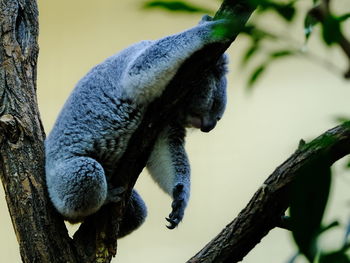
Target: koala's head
{"type": "Point", "coordinates": [207, 107]}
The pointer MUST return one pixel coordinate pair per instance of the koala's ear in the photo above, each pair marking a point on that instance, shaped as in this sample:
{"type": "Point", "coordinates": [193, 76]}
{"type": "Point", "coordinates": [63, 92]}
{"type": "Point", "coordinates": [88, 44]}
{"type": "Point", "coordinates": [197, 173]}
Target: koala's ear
{"type": "Point", "coordinates": [205, 18]}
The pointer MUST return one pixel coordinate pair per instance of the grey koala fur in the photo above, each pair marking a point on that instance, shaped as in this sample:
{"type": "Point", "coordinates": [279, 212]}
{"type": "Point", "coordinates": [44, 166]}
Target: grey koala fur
{"type": "Point", "coordinates": [94, 126]}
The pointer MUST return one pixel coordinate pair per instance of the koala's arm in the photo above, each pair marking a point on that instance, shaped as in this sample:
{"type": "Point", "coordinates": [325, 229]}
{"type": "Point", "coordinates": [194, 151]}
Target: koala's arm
{"type": "Point", "coordinates": [169, 167]}
{"type": "Point", "coordinates": [152, 68]}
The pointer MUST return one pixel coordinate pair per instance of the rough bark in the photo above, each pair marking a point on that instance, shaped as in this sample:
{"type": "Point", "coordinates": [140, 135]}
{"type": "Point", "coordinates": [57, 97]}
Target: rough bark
{"type": "Point", "coordinates": [40, 233]}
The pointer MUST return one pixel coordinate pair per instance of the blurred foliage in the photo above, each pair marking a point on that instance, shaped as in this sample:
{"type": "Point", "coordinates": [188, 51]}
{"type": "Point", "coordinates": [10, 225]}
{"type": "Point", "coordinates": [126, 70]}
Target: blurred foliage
{"type": "Point", "coordinates": [309, 22]}
{"type": "Point", "coordinates": [307, 206]}
{"type": "Point", "coordinates": [331, 30]}
{"type": "Point", "coordinates": [309, 196]}
{"type": "Point", "coordinates": [177, 6]}
{"type": "Point", "coordinates": [310, 193]}
{"type": "Point", "coordinates": [259, 50]}
{"type": "Point", "coordinates": [282, 8]}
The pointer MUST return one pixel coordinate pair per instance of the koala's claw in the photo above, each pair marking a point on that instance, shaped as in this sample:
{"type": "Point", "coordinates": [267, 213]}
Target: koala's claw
{"type": "Point", "coordinates": [114, 195]}
{"type": "Point", "coordinates": [177, 214]}
{"type": "Point", "coordinates": [173, 223]}
{"type": "Point", "coordinates": [178, 206]}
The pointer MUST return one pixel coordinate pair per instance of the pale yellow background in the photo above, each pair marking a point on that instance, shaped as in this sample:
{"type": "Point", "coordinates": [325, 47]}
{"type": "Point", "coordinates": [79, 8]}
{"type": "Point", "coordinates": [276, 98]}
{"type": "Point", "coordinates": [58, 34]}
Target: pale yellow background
{"type": "Point", "coordinates": [296, 99]}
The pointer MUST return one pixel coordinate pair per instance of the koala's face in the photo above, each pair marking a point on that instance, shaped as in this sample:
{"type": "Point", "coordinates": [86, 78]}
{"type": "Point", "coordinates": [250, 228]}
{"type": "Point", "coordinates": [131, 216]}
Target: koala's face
{"type": "Point", "coordinates": [207, 107]}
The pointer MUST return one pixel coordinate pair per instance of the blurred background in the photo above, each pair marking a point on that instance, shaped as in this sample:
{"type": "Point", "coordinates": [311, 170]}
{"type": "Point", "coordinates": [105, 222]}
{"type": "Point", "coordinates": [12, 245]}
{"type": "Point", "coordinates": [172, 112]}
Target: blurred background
{"type": "Point", "coordinates": [296, 98]}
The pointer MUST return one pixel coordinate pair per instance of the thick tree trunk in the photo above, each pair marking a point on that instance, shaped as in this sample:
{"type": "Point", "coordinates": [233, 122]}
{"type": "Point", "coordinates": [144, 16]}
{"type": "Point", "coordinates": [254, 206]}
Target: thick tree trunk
{"type": "Point", "coordinates": [41, 235]}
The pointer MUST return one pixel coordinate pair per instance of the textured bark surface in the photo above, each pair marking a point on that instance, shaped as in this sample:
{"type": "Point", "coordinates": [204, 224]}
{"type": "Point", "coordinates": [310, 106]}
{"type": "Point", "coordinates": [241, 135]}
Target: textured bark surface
{"type": "Point", "coordinates": [269, 203]}
{"type": "Point", "coordinates": [40, 233]}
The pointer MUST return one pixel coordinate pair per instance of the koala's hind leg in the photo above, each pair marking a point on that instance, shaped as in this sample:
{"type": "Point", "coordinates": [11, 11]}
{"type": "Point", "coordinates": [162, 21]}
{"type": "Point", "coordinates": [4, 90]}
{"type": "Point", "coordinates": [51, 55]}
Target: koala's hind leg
{"type": "Point", "coordinates": [77, 187]}
{"type": "Point", "coordinates": [134, 215]}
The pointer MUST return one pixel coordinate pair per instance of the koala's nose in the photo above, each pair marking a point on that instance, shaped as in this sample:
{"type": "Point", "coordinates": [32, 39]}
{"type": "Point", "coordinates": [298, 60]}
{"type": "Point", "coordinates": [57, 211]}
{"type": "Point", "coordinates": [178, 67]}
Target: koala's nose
{"type": "Point", "coordinates": [208, 125]}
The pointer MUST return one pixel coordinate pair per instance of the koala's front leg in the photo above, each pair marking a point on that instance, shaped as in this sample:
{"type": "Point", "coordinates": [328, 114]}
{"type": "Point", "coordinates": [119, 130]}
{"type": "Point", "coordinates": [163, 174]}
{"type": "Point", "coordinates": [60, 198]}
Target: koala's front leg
{"type": "Point", "coordinates": [169, 167]}
{"type": "Point", "coordinates": [152, 68]}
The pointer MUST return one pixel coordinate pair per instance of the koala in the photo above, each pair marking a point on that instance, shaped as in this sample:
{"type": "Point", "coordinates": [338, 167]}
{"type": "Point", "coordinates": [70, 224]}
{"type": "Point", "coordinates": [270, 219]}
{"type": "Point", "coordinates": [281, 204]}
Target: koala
{"type": "Point", "coordinates": [105, 108]}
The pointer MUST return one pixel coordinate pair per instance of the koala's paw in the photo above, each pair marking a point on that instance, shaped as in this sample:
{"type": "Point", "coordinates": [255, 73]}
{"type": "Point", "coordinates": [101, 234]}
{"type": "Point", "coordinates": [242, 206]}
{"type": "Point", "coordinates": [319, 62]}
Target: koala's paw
{"type": "Point", "coordinates": [114, 194]}
{"type": "Point", "coordinates": [178, 206]}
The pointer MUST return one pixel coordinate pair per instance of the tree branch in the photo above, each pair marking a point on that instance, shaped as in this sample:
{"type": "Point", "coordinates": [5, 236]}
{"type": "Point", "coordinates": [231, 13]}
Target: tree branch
{"type": "Point", "coordinates": [269, 203]}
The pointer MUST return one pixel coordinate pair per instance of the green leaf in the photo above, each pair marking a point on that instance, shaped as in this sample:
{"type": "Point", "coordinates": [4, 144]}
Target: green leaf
{"type": "Point", "coordinates": [331, 30]}
{"type": "Point", "coordinates": [256, 75]}
{"type": "Point", "coordinates": [252, 50]}
{"type": "Point", "coordinates": [309, 23]}
{"type": "Point", "coordinates": [342, 18]}
{"type": "Point", "coordinates": [286, 11]}
{"type": "Point", "coordinates": [176, 6]}
{"type": "Point", "coordinates": [347, 164]}
{"type": "Point", "coordinates": [329, 226]}
{"type": "Point", "coordinates": [259, 34]}
{"type": "Point", "coordinates": [334, 257]}
{"type": "Point", "coordinates": [281, 53]}
{"type": "Point", "coordinates": [308, 201]}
